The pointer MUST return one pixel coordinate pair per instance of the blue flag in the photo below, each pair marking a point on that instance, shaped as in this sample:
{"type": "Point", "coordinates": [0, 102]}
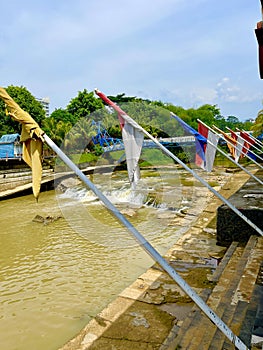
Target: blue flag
{"type": "Point", "coordinates": [200, 141]}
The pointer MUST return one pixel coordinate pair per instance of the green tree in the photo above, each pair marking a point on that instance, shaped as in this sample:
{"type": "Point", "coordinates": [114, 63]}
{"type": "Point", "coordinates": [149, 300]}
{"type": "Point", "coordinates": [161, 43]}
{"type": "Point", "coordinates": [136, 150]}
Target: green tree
{"type": "Point", "coordinates": [27, 102]}
{"type": "Point", "coordinates": [233, 122]}
{"type": "Point", "coordinates": [56, 130]}
{"type": "Point", "coordinates": [63, 115]}
{"type": "Point", "coordinates": [206, 113]}
{"type": "Point", "coordinates": [220, 122]}
{"type": "Point", "coordinates": [84, 104]}
{"type": "Point", "coordinates": [258, 125]}
{"type": "Point", "coordinates": [121, 98]}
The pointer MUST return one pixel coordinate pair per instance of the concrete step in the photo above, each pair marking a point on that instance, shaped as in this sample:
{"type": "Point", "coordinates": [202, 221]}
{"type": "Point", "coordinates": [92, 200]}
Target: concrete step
{"type": "Point", "coordinates": [250, 291]}
{"type": "Point", "coordinates": [230, 298]}
{"type": "Point", "coordinates": [188, 322]}
{"type": "Point", "coordinates": [191, 325]}
{"type": "Point", "coordinates": [218, 301]}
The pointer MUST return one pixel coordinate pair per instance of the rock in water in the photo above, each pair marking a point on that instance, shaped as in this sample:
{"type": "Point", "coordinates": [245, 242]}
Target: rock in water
{"type": "Point", "coordinates": [38, 218]}
{"type": "Point", "coordinates": [46, 220]}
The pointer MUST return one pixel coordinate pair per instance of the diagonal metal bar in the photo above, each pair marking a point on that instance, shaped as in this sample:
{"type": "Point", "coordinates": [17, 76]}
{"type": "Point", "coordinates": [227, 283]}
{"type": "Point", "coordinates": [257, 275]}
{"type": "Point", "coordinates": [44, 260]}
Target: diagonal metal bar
{"type": "Point", "coordinates": [155, 255]}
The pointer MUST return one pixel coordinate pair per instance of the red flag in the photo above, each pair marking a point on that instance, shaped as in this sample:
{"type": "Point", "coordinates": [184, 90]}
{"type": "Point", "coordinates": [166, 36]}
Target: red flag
{"type": "Point", "coordinates": [240, 145]}
{"type": "Point", "coordinates": [248, 141]}
{"type": "Point", "coordinates": [210, 147]}
{"type": "Point", "coordinates": [132, 139]}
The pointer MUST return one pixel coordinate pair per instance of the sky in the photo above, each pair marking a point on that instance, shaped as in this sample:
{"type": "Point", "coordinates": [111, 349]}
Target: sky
{"type": "Point", "coordinates": [187, 53]}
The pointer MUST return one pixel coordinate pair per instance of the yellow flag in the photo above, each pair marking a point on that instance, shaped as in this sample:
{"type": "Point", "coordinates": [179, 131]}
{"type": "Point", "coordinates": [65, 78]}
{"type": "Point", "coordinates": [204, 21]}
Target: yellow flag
{"type": "Point", "coordinates": [31, 137]}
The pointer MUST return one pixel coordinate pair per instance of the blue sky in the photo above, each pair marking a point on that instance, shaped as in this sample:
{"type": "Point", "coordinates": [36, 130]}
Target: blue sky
{"type": "Point", "coordinates": [185, 52]}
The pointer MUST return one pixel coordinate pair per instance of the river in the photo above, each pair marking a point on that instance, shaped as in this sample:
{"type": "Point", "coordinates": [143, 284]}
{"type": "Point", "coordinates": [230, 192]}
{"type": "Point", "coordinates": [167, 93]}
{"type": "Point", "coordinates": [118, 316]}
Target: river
{"type": "Point", "coordinates": [56, 276]}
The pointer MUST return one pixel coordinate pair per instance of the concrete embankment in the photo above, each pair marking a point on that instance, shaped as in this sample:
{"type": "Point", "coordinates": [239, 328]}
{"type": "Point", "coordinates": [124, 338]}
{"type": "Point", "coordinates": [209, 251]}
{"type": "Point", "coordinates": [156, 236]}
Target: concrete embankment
{"type": "Point", "coordinates": [151, 313]}
{"type": "Point", "coordinates": [18, 182]}
{"type": "Point", "coordinates": [148, 314]}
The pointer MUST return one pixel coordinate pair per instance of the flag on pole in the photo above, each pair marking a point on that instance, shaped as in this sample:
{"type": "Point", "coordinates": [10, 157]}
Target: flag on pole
{"type": "Point", "coordinates": [244, 142]}
{"type": "Point", "coordinates": [133, 141]}
{"type": "Point", "coordinates": [210, 148]}
{"type": "Point", "coordinates": [132, 138]}
{"type": "Point", "coordinates": [31, 137]}
{"type": "Point", "coordinates": [200, 142]}
{"type": "Point", "coordinates": [249, 141]}
{"type": "Point", "coordinates": [231, 143]}
{"type": "Point", "coordinates": [240, 144]}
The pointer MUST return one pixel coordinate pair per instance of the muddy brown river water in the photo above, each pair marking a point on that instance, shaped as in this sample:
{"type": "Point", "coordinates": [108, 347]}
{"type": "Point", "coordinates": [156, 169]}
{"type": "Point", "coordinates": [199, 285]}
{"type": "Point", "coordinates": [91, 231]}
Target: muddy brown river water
{"type": "Point", "coordinates": [56, 276]}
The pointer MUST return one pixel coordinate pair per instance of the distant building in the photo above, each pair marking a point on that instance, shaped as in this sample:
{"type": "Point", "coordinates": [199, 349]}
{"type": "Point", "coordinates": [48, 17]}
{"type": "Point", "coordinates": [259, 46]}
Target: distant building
{"type": "Point", "coordinates": [45, 104]}
{"type": "Point", "coordinates": [10, 146]}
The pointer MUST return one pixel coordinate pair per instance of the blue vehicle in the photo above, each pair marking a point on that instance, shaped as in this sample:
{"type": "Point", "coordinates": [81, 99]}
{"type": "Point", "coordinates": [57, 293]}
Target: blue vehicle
{"type": "Point", "coordinates": [10, 147]}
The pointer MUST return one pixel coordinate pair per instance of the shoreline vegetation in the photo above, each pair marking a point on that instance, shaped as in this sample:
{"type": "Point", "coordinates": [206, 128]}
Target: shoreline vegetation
{"type": "Point", "coordinates": [16, 173]}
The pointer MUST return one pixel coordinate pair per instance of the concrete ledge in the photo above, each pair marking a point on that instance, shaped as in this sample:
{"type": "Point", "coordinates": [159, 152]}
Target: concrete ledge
{"type": "Point", "coordinates": [248, 199]}
{"type": "Point", "coordinates": [144, 315]}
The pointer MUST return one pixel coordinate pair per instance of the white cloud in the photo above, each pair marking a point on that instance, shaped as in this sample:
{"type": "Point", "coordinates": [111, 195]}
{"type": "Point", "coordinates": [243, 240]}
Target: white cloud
{"type": "Point", "coordinates": [173, 50]}
{"type": "Point", "coordinates": [237, 91]}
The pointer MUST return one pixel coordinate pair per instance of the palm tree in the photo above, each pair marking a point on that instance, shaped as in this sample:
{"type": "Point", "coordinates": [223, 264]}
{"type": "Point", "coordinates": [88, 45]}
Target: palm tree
{"type": "Point", "coordinates": [56, 130]}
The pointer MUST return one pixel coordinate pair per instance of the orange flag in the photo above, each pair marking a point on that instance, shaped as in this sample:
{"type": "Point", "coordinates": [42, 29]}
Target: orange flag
{"type": "Point", "coordinates": [231, 142]}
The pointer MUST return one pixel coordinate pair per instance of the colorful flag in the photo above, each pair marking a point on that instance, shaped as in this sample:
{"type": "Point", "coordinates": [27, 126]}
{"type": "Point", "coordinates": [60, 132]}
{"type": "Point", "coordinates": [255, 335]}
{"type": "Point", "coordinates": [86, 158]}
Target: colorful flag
{"type": "Point", "coordinates": [244, 142]}
{"type": "Point", "coordinates": [132, 138]}
{"type": "Point", "coordinates": [31, 137]}
{"type": "Point", "coordinates": [210, 148]}
{"type": "Point", "coordinates": [231, 142]}
{"type": "Point", "coordinates": [239, 145]}
{"type": "Point", "coordinates": [249, 141]}
{"type": "Point", "coordinates": [200, 142]}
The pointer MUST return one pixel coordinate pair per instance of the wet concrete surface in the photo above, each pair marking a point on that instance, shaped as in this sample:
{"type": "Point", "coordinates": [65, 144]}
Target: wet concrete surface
{"type": "Point", "coordinates": [146, 312]}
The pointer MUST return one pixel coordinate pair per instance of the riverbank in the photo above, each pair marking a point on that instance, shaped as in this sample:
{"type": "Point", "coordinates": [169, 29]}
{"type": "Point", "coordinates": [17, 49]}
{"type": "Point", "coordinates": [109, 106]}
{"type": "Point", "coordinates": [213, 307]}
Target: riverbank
{"type": "Point", "coordinates": [18, 182]}
{"type": "Point", "coordinates": [145, 314]}
{"type": "Point", "coordinates": [54, 274]}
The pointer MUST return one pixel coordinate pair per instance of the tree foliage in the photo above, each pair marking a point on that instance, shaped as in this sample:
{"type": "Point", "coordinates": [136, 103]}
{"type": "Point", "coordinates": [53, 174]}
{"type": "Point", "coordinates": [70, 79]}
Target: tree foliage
{"type": "Point", "coordinates": [84, 104]}
{"type": "Point", "coordinates": [63, 115]}
{"type": "Point", "coordinates": [258, 125]}
{"type": "Point", "coordinates": [27, 102]}
{"type": "Point", "coordinates": [75, 124]}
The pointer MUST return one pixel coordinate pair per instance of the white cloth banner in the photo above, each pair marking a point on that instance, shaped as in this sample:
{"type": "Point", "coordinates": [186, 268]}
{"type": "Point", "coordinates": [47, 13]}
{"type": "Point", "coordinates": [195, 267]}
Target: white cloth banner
{"type": "Point", "coordinates": [239, 148]}
{"type": "Point", "coordinates": [210, 151]}
{"type": "Point", "coordinates": [133, 141]}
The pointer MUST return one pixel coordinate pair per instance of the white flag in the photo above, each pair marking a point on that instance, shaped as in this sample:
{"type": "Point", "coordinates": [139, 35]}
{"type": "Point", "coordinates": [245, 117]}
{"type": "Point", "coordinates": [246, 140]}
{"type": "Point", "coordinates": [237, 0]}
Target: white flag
{"type": "Point", "coordinates": [133, 140]}
{"type": "Point", "coordinates": [210, 150]}
{"type": "Point", "coordinates": [239, 148]}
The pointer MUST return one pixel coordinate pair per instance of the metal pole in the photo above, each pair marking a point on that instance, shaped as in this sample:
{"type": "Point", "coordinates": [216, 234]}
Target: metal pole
{"type": "Point", "coordinates": [149, 248]}
{"type": "Point", "coordinates": [227, 156]}
{"type": "Point", "coordinates": [249, 143]}
{"type": "Point", "coordinates": [258, 142]}
{"type": "Point", "coordinates": [170, 154]}
{"type": "Point", "coordinates": [247, 149]}
{"type": "Point", "coordinates": [231, 143]}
